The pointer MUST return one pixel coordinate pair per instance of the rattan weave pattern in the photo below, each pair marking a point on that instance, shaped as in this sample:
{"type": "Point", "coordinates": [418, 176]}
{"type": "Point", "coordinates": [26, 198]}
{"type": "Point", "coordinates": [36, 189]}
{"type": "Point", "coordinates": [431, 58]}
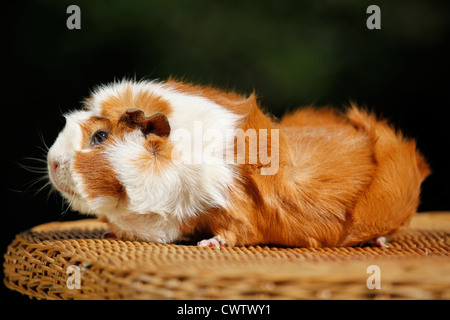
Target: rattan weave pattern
{"type": "Point", "coordinates": [416, 265]}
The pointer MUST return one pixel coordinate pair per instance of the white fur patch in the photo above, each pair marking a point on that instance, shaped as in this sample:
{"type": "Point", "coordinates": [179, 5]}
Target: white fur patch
{"type": "Point", "coordinates": [63, 151]}
{"type": "Point", "coordinates": [183, 189]}
{"type": "Point", "coordinates": [157, 201]}
{"type": "Point", "coordinates": [150, 227]}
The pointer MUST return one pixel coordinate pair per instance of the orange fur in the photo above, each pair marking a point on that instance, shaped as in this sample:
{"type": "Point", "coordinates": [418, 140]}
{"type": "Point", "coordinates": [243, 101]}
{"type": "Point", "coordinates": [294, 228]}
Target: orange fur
{"type": "Point", "coordinates": [343, 179]}
{"type": "Point", "coordinates": [117, 104]}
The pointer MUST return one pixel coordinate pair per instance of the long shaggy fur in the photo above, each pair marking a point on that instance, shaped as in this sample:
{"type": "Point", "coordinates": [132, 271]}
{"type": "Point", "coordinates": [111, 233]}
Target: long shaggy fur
{"type": "Point", "coordinates": [342, 178]}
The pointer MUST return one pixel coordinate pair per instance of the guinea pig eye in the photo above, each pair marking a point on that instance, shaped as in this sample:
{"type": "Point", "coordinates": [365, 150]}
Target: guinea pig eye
{"type": "Point", "coordinates": [99, 137]}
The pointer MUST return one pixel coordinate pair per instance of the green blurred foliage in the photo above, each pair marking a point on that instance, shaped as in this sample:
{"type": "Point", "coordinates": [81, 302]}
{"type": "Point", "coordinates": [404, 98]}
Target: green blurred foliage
{"type": "Point", "coordinates": [290, 52]}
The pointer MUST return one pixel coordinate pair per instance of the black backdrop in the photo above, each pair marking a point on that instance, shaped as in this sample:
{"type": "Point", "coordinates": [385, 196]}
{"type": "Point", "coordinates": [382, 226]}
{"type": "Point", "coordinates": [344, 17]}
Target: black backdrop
{"type": "Point", "coordinates": [291, 53]}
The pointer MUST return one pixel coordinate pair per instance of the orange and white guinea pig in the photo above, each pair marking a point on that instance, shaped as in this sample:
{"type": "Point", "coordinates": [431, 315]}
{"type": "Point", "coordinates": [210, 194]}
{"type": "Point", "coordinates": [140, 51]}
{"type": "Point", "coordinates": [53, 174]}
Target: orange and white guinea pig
{"type": "Point", "coordinates": [152, 159]}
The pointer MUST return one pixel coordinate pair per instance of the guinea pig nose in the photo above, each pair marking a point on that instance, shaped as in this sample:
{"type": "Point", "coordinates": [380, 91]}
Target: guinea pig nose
{"type": "Point", "coordinates": [54, 165]}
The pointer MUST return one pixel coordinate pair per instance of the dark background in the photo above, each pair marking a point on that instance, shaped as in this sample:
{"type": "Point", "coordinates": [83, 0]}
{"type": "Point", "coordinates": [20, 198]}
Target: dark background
{"type": "Point", "coordinates": [292, 53]}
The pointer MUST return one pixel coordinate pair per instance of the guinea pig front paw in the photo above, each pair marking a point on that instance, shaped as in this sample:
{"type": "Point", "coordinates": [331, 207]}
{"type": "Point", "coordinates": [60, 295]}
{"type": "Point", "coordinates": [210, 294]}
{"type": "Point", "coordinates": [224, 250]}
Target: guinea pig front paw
{"type": "Point", "coordinates": [109, 235]}
{"type": "Point", "coordinates": [213, 242]}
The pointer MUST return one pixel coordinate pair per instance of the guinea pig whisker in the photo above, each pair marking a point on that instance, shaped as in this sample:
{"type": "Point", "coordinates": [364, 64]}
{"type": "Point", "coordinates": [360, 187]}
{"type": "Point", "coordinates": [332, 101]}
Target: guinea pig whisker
{"type": "Point", "coordinates": [51, 190]}
{"type": "Point", "coordinates": [47, 184]}
{"type": "Point", "coordinates": [36, 181]}
{"type": "Point", "coordinates": [69, 205]}
{"type": "Point", "coordinates": [41, 137]}
{"type": "Point", "coordinates": [45, 151]}
{"type": "Point", "coordinates": [33, 168]}
{"type": "Point", "coordinates": [39, 184]}
{"type": "Point", "coordinates": [64, 211]}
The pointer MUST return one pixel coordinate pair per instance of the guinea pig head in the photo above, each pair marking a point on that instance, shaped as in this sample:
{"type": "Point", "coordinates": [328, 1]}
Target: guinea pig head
{"type": "Point", "coordinates": [111, 166]}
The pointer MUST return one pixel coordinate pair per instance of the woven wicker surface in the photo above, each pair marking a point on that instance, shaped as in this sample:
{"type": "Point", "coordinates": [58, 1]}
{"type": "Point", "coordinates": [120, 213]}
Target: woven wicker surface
{"type": "Point", "coordinates": [416, 265]}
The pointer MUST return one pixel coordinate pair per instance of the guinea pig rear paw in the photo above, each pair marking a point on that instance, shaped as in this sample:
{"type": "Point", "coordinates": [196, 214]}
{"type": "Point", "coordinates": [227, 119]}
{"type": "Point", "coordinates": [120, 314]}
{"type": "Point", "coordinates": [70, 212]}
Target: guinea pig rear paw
{"type": "Point", "coordinates": [213, 242]}
{"type": "Point", "coordinates": [379, 242]}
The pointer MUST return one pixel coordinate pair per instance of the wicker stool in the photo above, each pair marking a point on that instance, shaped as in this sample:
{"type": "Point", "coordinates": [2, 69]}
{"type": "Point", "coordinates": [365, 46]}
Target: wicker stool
{"type": "Point", "coordinates": [47, 261]}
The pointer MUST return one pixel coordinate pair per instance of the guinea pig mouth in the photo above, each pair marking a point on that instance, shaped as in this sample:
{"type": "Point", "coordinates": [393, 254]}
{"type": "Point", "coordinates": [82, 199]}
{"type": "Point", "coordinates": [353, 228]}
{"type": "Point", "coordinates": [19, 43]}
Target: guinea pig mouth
{"type": "Point", "coordinates": [64, 189]}
{"type": "Point", "coordinates": [61, 187]}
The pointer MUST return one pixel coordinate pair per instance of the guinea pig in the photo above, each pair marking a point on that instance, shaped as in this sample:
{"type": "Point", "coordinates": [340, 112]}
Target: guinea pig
{"type": "Point", "coordinates": [165, 161]}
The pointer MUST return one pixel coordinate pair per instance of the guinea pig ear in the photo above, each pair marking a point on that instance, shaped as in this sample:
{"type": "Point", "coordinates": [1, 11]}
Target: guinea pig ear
{"type": "Point", "coordinates": [156, 123]}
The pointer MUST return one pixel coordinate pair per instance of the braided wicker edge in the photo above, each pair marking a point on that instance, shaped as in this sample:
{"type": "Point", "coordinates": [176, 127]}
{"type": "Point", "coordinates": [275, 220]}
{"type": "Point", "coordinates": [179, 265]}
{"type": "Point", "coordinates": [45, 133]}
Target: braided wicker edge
{"type": "Point", "coordinates": [38, 269]}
